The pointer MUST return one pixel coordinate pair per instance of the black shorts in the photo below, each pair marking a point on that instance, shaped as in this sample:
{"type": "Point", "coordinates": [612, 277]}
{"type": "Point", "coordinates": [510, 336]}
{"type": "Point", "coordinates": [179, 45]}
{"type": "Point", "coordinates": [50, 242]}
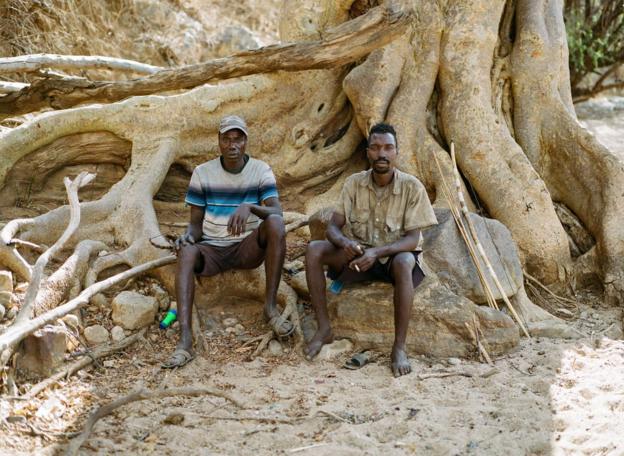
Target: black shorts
{"type": "Point", "coordinates": [379, 272]}
{"type": "Point", "coordinates": [246, 254]}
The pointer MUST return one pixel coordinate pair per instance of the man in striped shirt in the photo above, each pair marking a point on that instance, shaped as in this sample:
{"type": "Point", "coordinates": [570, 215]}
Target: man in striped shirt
{"type": "Point", "coordinates": [236, 223]}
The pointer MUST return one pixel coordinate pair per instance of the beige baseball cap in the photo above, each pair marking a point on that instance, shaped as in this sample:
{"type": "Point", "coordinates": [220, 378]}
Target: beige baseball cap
{"type": "Point", "coordinates": [233, 122]}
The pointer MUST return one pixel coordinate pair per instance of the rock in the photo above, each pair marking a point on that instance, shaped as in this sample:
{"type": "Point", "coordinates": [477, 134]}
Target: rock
{"type": "Point", "coordinates": [99, 300]}
{"type": "Point", "coordinates": [337, 348]}
{"type": "Point", "coordinates": [42, 352]}
{"type": "Point", "coordinates": [446, 254]}
{"type": "Point", "coordinates": [6, 281]}
{"type": "Point", "coordinates": [453, 361]}
{"type": "Point", "coordinates": [234, 39]}
{"type": "Point", "coordinates": [6, 297]}
{"type": "Point", "coordinates": [109, 363]}
{"type": "Point", "coordinates": [229, 322]}
{"type": "Point", "coordinates": [239, 329]}
{"type": "Point", "coordinates": [364, 313]}
{"type": "Point", "coordinates": [274, 348]}
{"type": "Point", "coordinates": [2, 312]}
{"type": "Point", "coordinates": [300, 284]}
{"type": "Point", "coordinates": [211, 324]}
{"type": "Point", "coordinates": [72, 321]}
{"type": "Point", "coordinates": [230, 330]}
{"type": "Point", "coordinates": [132, 310]}
{"type": "Point", "coordinates": [96, 334]}
{"type": "Point", "coordinates": [174, 418]}
{"type": "Point", "coordinates": [117, 333]}
{"type": "Point", "coordinates": [161, 296]}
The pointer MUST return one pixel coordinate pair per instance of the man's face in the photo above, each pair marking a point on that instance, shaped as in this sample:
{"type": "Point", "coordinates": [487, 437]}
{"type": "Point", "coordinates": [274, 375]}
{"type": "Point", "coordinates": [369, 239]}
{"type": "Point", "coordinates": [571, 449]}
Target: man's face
{"type": "Point", "coordinates": [232, 144]}
{"type": "Point", "coordinates": [382, 152]}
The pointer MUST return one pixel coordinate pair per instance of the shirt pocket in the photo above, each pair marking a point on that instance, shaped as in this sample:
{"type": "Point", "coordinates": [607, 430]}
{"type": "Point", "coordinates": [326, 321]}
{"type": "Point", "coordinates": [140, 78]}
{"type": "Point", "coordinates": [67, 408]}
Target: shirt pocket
{"type": "Point", "coordinates": [359, 224]}
{"type": "Point", "coordinates": [393, 228]}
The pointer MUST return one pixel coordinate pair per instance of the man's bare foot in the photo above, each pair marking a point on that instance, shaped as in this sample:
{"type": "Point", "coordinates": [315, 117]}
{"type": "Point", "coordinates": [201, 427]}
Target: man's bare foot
{"type": "Point", "coordinates": [321, 337]}
{"type": "Point", "coordinates": [400, 362]}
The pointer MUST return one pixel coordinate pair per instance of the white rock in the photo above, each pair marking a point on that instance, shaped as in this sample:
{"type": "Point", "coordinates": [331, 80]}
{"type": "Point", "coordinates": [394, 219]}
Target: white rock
{"type": "Point", "coordinates": [117, 333]}
{"type": "Point", "coordinates": [99, 300]}
{"type": "Point", "coordinates": [454, 361]}
{"type": "Point", "coordinates": [6, 281]}
{"type": "Point", "coordinates": [132, 310]}
{"type": "Point", "coordinates": [275, 348]}
{"type": "Point", "coordinates": [239, 329]}
{"type": "Point", "coordinates": [337, 348]}
{"type": "Point", "coordinates": [227, 322]}
{"type": "Point", "coordinates": [96, 334]}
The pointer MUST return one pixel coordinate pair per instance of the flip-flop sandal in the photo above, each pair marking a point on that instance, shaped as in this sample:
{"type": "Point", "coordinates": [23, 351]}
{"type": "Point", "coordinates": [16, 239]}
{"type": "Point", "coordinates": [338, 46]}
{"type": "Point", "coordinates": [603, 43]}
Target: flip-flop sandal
{"type": "Point", "coordinates": [359, 360]}
{"type": "Point", "coordinates": [178, 358]}
{"type": "Point", "coordinates": [277, 323]}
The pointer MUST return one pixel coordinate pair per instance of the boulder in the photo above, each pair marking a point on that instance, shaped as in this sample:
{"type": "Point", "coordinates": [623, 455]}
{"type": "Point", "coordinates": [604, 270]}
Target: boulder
{"type": "Point", "coordinates": [446, 254]}
{"type": "Point", "coordinates": [364, 313]}
{"type": "Point", "coordinates": [96, 334]}
{"type": "Point", "coordinates": [42, 352]}
{"type": "Point", "coordinates": [6, 281]}
{"type": "Point", "coordinates": [132, 310]}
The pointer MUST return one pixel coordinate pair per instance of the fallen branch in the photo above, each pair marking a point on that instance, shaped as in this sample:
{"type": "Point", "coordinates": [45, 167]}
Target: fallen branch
{"type": "Point", "coordinates": [343, 44]}
{"type": "Point", "coordinates": [11, 87]}
{"type": "Point", "coordinates": [98, 353]}
{"type": "Point", "coordinates": [35, 62]}
{"type": "Point", "coordinates": [16, 333]}
{"type": "Point", "coordinates": [141, 395]}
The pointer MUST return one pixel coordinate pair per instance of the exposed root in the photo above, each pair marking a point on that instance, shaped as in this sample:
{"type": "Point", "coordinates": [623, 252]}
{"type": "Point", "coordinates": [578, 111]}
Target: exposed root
{"type": "Point", "coordinates": [142, 394]}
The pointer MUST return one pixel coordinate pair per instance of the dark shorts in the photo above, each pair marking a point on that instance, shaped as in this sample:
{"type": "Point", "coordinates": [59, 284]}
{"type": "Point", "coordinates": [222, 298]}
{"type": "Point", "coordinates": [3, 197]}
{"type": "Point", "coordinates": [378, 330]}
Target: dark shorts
{"type": "Point", "coordinates": [246, 254]}
{"type": "Point", "coordinates": [380, 272]}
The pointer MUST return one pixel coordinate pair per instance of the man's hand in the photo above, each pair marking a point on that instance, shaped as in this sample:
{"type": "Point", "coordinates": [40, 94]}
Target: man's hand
{"type": "Point", "coordinates": [183, 240]}
{"type": "Point", "coordinates": [238, 220]}
{"type": "Point", "coordinates": [352, 249]}
{"type": "Point", "coordinates": [365, 261]}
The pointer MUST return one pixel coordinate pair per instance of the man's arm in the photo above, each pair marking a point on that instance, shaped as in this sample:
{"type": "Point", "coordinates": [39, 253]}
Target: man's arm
{"type": "Point", "coordinates": [335, 236]}
{"type": "Point", "coordinates": [236, 224]}
{"type": "Point", "coordinates": [194, 230]}
{"type": "Point", "coordinates": [407, 243]}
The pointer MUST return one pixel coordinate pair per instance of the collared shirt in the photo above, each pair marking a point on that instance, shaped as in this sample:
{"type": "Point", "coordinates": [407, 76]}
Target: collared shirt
{"type": "Point", "coordinates": [376, 221]}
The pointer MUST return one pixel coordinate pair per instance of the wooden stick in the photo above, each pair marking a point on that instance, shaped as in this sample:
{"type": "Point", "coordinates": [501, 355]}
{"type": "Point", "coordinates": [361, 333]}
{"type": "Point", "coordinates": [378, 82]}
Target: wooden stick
{"type": "Point", "coordinates": [16, 333]}
{"type": "Point", "coordinates": [11, 87]}
{"type": "Point", "coordinates": [464, 234]}
{"type": "Point", "coordinates": [346, 43]}
{"type": "Point", "coordinates": [545, 288]}
{"type": "Point", "coordinates": [485, 259]}
{"type": "Point", "coordinates": [35, 62]}
{"type": "Point", "coordinates": [99, 352]}
{"type": "Point", "coordinates": [141, 394]}
{"type": "Point", "coordinates": [458, 373]}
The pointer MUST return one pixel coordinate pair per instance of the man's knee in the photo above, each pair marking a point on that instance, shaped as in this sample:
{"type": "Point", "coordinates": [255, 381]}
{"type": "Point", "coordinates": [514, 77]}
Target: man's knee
{"type": "Point", "coordinates": [403, 264]}
{"type": "Point", "coordinates": [188, 255]}
{"type": "Point", "coordinates": [275, 226]}
{"type": "Point", "coordinates": [315, 252]}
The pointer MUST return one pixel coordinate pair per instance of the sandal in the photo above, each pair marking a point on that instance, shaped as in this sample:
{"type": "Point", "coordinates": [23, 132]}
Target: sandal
{"type": "Point", "coordinates": [359, 360]}
{"type": "Point", "coordinates": [178, 358]}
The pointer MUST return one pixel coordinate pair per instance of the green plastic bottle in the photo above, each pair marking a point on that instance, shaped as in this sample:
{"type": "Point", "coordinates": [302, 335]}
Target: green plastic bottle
{"type": "Point", "coordinates": [171, 316]}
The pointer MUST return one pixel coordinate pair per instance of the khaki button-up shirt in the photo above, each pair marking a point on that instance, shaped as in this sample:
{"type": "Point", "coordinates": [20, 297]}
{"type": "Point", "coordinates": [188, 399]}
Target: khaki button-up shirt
{"type": "Point", "coordinates": [376, 221]}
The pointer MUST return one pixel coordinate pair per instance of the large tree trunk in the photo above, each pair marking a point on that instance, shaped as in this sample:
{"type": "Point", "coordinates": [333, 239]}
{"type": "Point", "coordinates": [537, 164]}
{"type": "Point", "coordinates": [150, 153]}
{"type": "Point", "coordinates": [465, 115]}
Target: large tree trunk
{"type": "Point", "coordinates": [490, 75]}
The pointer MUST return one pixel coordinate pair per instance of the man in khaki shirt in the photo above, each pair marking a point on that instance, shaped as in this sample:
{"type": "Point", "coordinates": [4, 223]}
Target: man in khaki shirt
{"type": "Point", "coordinates": [374, 234]}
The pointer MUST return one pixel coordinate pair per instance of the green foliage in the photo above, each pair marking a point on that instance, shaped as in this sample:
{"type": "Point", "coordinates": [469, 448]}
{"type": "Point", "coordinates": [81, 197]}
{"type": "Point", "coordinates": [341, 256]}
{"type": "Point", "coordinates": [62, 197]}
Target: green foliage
{"type": "Point", "coordinates": [595, 30]}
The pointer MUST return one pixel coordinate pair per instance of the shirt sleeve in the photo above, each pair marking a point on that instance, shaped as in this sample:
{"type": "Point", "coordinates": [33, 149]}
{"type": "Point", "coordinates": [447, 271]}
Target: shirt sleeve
{"type": "Point", "coordinates": [419, 212]}
{"type": "Point", "coordinates": [195, 195]}
{"type": "Point", "coordinates": [268, 185]}
{"type": "Point", "coordinates": [345, 201]}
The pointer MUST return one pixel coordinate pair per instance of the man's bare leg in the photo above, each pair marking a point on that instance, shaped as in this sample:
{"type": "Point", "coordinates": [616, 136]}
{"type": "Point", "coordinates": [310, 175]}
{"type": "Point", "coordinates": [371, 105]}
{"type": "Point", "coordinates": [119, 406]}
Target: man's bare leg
{"type": "Point", "coordinates": [401, 269]}
{"type": "Point", "coordinates": [319, 254]}
{"type": "Point", "coordinates": [272, 237]}
{"type": "Point", "coordinates": [189, 257]}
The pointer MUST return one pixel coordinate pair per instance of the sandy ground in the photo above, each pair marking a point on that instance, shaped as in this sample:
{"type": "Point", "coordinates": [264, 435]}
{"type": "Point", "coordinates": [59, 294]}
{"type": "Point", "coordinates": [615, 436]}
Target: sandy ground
{"type": "Point", "coordinates": [548, 397]}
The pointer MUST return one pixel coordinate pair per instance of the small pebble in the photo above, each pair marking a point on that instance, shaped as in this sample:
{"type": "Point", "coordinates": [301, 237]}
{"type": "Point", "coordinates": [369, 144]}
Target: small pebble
{"type": "Point", "coordinates": [239, 329]}
{"type": "Point", "coordinates": [275, 348]}
{"type": "Point", "coordinates": [454, 361]}
{"type": "Point", "coordinates": [117, 333]}
{"type": "Point", "coordinates": [229, 322]}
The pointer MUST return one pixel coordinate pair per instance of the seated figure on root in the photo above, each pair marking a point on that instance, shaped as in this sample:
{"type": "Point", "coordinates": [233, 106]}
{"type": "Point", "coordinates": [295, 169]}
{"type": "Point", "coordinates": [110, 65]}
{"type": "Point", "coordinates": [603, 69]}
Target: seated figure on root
{"type": "Point", "coordinates": [374, 234]}
{"type": "Point", "coordinates": [236, 223]}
